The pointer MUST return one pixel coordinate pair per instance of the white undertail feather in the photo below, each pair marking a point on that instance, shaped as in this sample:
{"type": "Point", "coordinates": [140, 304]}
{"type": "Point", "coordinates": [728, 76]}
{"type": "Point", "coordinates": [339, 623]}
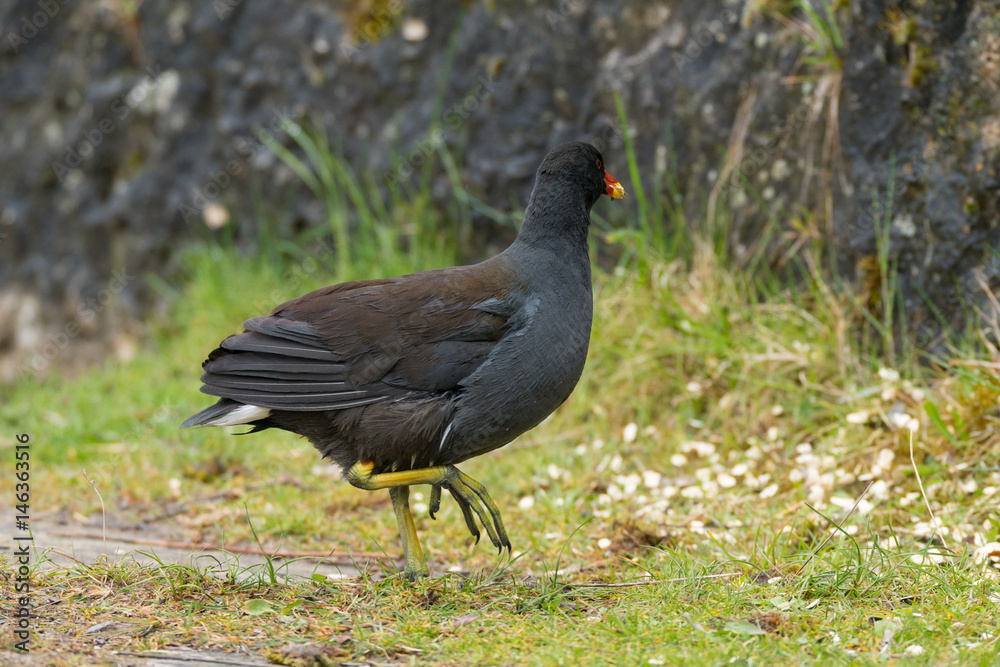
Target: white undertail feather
{"type": "Point", "coordinates": [244, 414]}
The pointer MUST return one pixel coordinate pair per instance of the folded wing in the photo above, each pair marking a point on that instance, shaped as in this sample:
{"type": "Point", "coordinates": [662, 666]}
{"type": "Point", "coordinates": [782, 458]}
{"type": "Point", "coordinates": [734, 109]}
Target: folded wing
{"type": "Point", "coordinates": [343, 346]}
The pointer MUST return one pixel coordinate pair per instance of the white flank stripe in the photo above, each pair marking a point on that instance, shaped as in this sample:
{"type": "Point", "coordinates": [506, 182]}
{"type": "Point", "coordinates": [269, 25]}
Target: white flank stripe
{"type": "Point", "coordinates": [444, 437]}
{"type": "Point", "coordinates": [241, 415]}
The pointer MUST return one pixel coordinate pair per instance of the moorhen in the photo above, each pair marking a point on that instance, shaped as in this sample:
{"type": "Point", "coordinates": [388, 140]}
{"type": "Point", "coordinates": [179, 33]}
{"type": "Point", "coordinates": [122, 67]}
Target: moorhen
{"type": "Point", "coordinates": [397, 380]}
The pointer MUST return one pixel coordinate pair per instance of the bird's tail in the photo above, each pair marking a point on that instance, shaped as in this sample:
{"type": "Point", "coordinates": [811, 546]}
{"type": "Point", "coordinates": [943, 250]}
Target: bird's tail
{"type": "Point", "coordinates": [227, 412]}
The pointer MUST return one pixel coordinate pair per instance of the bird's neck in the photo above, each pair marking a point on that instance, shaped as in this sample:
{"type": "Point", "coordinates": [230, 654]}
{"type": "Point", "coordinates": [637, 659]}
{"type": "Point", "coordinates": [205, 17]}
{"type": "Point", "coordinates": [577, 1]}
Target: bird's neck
{"type": "Point", "coordinates": [556, 221]}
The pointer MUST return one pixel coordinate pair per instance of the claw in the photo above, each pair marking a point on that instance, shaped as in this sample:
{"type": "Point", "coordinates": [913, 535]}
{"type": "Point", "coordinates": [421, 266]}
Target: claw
{"type": "Point", "coordinates": [435, 506]}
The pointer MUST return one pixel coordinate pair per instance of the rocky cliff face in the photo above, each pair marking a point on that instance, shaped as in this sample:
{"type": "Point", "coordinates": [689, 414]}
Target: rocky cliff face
{"type": "Point", "coordinates": [124, 131]}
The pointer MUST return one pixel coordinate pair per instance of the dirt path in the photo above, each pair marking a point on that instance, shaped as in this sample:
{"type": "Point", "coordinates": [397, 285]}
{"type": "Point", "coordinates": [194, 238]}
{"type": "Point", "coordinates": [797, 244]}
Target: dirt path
{"type": "Point", "coordinates": [63, 544]}
{"type": "Point", "coordinates": [59, 543]}
{"type": "Point", "coordinates": [172, 658]}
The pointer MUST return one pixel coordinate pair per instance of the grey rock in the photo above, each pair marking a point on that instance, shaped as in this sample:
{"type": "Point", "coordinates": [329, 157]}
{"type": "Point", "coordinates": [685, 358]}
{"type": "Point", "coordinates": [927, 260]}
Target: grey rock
{"type": "Point", "coordinates": [113, 139]}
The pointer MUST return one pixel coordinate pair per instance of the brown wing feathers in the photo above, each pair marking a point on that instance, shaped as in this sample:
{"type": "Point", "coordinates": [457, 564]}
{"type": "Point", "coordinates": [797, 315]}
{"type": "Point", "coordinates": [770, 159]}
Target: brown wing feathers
{"type": "Point", "coordinates": [335, 348]}
{"type": "Point", "coordinates": [264, 366]}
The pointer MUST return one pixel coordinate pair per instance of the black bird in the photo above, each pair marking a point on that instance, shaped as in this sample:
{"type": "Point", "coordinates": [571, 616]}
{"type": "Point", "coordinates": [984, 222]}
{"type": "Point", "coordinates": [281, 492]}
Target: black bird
{"type": "Point", "coordinates": [397, 380]}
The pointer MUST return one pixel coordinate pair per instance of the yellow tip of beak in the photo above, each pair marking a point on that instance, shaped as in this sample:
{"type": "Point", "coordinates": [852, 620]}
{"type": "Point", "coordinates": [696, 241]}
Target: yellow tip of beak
{"type": "Point", "coordinates": [613, 188]}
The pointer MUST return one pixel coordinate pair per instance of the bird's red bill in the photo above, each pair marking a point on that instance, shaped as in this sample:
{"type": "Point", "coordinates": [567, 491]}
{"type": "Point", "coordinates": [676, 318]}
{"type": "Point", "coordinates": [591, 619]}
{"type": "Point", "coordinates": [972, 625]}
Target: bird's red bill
{"type": "Point", "coordinates": [615, 189]}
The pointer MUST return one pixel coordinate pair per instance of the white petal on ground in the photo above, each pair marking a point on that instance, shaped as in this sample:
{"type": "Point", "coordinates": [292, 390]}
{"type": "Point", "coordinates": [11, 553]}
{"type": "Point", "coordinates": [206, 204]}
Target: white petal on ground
{"type": "Point", "coordinates": [631, 431]}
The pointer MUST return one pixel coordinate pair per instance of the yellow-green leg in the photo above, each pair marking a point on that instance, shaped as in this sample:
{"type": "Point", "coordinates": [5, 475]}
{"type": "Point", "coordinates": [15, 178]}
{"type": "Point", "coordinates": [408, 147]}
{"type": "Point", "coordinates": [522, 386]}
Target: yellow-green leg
{"type": "Point", "coordinates": [416, 566]}
{"type": "Point", "coordinates": [470, 495]}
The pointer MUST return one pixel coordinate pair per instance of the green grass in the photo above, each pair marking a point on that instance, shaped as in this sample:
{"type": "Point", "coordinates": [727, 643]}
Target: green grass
{"type": "Point", "coordinates": [724, 419]}
{"type": "Point", "coordinates": [679, 619]}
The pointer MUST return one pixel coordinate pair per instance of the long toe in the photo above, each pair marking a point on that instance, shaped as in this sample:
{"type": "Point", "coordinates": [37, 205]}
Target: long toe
{"type": "Point", "coordinates": [466, 507]}
{"type": "Point", "coordinates": [472, 497]}
{"type": "Point", "coordinates": [435, 505]}
{"type": "Point", "coordinates": [500, 539]}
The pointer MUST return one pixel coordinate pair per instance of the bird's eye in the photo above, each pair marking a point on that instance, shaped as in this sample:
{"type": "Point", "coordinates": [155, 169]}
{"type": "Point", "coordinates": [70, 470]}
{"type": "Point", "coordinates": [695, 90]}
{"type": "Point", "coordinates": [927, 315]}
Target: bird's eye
{"type": "Point", "coordinates": [600, 165]}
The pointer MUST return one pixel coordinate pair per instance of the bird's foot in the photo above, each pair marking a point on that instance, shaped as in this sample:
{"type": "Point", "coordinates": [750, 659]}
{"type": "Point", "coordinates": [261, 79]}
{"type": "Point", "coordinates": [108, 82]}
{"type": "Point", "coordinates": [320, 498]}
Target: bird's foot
{"type": "Point", "coordinates": [472, 496]}
{"type": "Point", "coordinates": [414, 571]}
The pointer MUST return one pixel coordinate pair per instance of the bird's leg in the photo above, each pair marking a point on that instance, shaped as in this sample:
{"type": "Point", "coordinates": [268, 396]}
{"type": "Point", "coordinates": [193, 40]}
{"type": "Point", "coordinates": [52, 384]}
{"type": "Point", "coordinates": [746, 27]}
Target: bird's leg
{"type": "Point", "coordinates": [470, 495]}
{"type": "Point", "coordinates": [416, 566]}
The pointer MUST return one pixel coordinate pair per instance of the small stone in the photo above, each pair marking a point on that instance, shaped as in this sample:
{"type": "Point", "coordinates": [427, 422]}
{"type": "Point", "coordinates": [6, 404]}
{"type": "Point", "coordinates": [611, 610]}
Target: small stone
{"type": "Point", "coordinates": [859, 417]}
{"type": "Point", "coordinates": [216, 215]}
{"type": "Point", "coordinates": [780, 170]}
{"type": "Point", "coordinates": [888, 374]}
{"type": "Point", "coordinates": [415, 30]}
{"type": "Point", "coordinates": [903, 224]}
{"type": "Point", "coordinates": [100, 627]}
